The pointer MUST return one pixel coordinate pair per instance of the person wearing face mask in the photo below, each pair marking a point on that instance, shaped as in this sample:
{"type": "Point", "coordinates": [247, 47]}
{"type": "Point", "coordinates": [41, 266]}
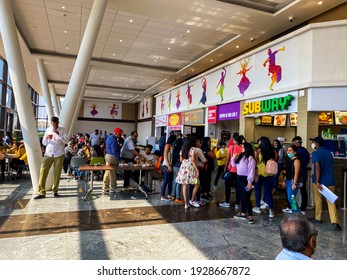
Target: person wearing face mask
{"type": "Point", "coordinates": [304, 156]}
{"type": "Point", "coordinates": [323, 175]}
{"type": "Point", "coordinates": [291, 181]}
{"type": "Point", "coordinates": [298, 237]}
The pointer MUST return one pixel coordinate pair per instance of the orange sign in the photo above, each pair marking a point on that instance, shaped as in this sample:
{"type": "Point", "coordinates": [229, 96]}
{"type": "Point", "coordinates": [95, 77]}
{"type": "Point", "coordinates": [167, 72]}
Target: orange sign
{"type": "Point", "coordinates": [174, 119]}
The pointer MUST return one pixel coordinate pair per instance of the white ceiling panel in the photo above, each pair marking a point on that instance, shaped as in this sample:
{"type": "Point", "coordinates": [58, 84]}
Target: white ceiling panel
{"type": "Point", "coordinates": [142, 59]}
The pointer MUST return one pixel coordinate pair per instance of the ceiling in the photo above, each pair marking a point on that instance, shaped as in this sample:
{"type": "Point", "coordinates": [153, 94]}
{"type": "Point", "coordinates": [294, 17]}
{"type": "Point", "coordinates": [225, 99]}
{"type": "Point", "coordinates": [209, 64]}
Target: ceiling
{"type": "Point", "coordinates": [147, 46]}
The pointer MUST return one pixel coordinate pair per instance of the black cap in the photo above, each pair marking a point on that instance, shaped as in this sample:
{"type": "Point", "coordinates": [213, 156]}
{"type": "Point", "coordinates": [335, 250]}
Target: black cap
{"type": "Point", "coordinates": [157, 153]}
{"type": "Point", "coordinates": [54, 119]}
{"type": "Point", "coordinates": [319, 140]}
{"type": "Point", "coordinates": [297, 139]}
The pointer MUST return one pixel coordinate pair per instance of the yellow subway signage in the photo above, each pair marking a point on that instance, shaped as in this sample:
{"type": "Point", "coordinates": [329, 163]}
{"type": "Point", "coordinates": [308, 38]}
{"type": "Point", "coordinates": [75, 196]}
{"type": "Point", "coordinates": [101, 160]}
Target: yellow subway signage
{"type": "Point", "coordinates": [268, 105]}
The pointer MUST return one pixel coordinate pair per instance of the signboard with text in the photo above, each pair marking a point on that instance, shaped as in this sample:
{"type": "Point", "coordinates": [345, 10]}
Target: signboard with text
{"type": "Point", "coordinates": [230, 111]}
{"type": "Point", "coordinates": [212, 114]}
{"type": "Point", "coordinates": [174, 121]}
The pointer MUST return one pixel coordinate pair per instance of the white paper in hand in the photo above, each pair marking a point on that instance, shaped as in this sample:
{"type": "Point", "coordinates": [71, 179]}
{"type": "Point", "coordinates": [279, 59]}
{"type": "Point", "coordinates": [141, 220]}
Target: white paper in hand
{"type": "Point", "coordinates": [328, 194]}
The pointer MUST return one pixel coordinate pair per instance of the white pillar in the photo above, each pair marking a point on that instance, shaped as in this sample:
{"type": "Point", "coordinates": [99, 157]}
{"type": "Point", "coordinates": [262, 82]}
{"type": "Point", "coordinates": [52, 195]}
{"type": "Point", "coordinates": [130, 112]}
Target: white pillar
{"type": "Point", "coordinates": [55, 101]}
{"type": "Point", "coordinates": [79, 103]}
{"type": "Point", "coordinates": [20, 89]}
{"type": "Point", "coordinates": [58, 102]}
{"type": "Point", "coordinates": [82, 62]}
{"type": "Point", "coordinates": [45, 89]}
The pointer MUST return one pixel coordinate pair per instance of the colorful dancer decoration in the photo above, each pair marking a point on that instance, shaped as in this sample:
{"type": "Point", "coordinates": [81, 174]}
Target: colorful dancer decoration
{"type": "Point", "coordinates": [143, 108]}
{"type": "Point", "coordinates": [94, 112]}
{"type": "Point", "coordinates": [114, 110]}
{"type": "Point", "coordinates": [244, 82]}
{"type": "Point", "coordinates": [221, 83]}
{"type": "Point", "coordinates": [169, 101]}
{"type": "Point", "coordinates": [274, 70]}
{"type": "Point", "coordinates": [189, 95]}
{"type": "Point", "coordinates": [178, 102]}
{"type": "Point", "coordinates": [147, 101]}
{"type": "Point", "coordinates": [203, 98]}
{"type": "Point", "coordinates": [162, 103]}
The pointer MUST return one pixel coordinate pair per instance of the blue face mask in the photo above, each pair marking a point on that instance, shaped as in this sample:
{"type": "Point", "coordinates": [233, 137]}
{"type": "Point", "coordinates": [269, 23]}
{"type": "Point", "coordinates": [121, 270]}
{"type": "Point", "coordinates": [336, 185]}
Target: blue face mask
{"type": "Point", "coordinates": [290, 155]}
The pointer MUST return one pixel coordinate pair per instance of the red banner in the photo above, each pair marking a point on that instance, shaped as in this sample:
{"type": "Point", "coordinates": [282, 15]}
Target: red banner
{"type": "Point", "coordinates": [212, 114]}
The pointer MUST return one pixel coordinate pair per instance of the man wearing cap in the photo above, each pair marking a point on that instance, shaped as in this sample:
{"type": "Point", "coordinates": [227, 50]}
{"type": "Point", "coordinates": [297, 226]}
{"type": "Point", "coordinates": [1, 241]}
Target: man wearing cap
{"type": "Point", "coordinates": [112, 157]}
{"type": "Point", "coordinates": [323, 175]}
{"type": "Point", "coordinates": [304, 159]}
{"type": "Point", "coordinates": [54, 139]}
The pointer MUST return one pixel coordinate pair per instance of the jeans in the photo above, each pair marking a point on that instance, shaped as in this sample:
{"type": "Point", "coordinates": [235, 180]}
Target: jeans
{"type": "Point", "coordinates": [176, 191]}
{"type": "Point", "coordinates": [168, 177]}
{"type": "Point", "coordinates": [268, 183]}
{"type": "Point", "coordinates": [290, 191]}
{"type": "Point", "coordinates": [246, 204]}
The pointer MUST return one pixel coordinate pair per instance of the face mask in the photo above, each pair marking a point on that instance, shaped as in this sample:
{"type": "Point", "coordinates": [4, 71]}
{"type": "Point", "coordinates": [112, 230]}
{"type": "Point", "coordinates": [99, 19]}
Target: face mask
{"type": "Point", "coordinates": [313, 146]}
{"type": "Point", "coordinates": [275, 146]}
{"type": "Point", "coordinates": [290, 155]}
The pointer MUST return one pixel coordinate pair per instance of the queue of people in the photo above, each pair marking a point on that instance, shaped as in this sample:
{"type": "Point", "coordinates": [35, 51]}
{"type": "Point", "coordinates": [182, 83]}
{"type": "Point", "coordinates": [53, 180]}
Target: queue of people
{"type": "Point", "coordinates": [186, 165]}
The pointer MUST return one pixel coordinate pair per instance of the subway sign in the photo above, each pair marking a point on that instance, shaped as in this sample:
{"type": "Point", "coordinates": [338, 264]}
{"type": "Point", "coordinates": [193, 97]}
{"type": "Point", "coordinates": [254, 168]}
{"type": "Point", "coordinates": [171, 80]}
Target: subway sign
{"type": "Point", "coordinates": [268, 105]}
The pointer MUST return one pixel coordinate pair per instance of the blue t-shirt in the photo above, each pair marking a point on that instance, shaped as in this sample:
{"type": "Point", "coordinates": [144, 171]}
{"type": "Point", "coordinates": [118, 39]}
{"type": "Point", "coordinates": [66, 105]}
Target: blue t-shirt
{"type": "Point", "coordinates": [326, 161]}
{"type": "Point", "coordinates": [285, 254]}
{"type": "Point", "coordinates": [112, 146]}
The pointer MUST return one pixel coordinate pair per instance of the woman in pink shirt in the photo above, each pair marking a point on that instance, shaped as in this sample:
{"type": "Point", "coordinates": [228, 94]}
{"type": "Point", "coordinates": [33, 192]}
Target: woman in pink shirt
{"type": "Point", "coordinates": [245, 163]}
{"type": "Point", "coordinates": [233, 150]}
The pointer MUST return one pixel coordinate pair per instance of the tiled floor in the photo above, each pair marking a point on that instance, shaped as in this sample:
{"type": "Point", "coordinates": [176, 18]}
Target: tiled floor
{"type": "Point", "coordinates": [132, 227]}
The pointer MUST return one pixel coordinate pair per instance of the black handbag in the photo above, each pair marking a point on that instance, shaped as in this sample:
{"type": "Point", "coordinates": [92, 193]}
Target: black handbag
{"type": "Point", "coordinates": [164, 169]}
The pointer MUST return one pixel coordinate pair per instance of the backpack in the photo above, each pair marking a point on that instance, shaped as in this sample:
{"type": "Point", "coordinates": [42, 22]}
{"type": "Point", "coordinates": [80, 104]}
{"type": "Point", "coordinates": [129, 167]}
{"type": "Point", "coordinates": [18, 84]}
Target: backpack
{"type": "Point", "coordinates": [271, 167]}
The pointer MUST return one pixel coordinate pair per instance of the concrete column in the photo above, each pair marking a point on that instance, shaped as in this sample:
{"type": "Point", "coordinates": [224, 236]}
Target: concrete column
{"type": "Point", "coordinates": [58, 102]}
{"type": "Point", "coordinates": [55, 101]}
{"type": "Point", "coordinates": [307, 121]}
{"type": "Point", "coordinates": [45, 89]}
{"type": "Point", "coordinates": [20, 89]}
{"type": "Point", "coordinates": [82, 62]}
{"type": "Point", "coordinates": [79, 103]}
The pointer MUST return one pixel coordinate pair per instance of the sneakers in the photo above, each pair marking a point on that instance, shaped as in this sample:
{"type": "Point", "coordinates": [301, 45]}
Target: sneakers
{"type": "Point", "coordinates": [173, 198]}
{"type": "Point", "coordinates": [240, 216]}
{"type": "Point", "coordinates": [163, 198]}
{"type": "Point", "coordinates": [262, 202]}
{"type": "Point", "coordinates": [271, 213]}
{"type": "Point", "coordinates": [264, 206]}
{"type": "Point", "coordinates": [256, 210]}
{"type": "Point", "coordinates": [287, 210]}
{"type": "Point", "coordinates": [336, 227]}
{"type": "Point", "coordinates": [112, 193]}
{"type": "Point", "coordinates": [224, 204]}
{"type": "Point", "coordinates": [250, 220]}
{"type": "Point", "coordinates": [169, 196]}
{"type": "Point", "coordinates": [237, 207]}
{"type": "Point", "coordinates": [56, 194]}
{"type": "Point", "coordinates": [39, 196]}
{"type": "Point", "coordinates": [177, 200]}
{"type": "Point", "coordinates": [186, 206]}
{"type": "Point", "coordinates": [194, 203]}
{"type": "Point", "coordinates": [201, 203]}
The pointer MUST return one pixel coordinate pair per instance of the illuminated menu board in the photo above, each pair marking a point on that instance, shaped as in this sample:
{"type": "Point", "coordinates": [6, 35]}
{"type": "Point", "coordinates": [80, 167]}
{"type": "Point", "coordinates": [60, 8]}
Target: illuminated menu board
{"type": "Point", "coordinates": [340, 118]}
{"type": "Point", "coordinates": [326, 118]}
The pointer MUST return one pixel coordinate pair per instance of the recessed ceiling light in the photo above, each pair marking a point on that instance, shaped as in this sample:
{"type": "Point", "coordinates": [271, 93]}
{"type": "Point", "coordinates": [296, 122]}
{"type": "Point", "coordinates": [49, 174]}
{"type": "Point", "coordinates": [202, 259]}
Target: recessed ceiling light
{"type": "Point", "coordinates": [188, 31]}
{"type": "Point", "coordinates": [113, 54]}
{"type": "Point", "coordinates": [63, 7]}
{"type": "Point", "coordinates": [121, 40]}
{"type": "Point", "coordinates": [65, 31]}
{"type": "Point", "coordinates": [30, 73]}
{"type": "Point", "coordinates": [102, 77]}
{"type": "Point", "coordinates": [66, 48]}
{"type": "Point", "coordinates": [320, 3]}
{"type": "Point", "coordinates": [211, 60]}
{"type": "Point", "coordinates": [169, 48]}
{"type": "Point", "coordinates": [155, 60]}
{"type": "Point", "coordinates": [237, 47]}
{"type": "Point", "coordinates": [131, 20]}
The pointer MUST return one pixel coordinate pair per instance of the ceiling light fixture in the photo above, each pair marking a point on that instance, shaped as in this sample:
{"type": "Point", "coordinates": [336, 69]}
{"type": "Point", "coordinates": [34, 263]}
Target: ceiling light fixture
{"type": "Point", "coordinates": [113, 54]}
{"type": "Point", "coordinates": [320, 3]}
{"type": "Point", "coordinates": [188, 31]}
{"type": "Point", "coordinates": [65, 31]}
{"type": "Point", "coordinates": [63, 7]}
{"type": "Point", "coordinates": [131, 20]}
{"type": "Point", "coordinates": [169, 48]}
{"type": "Point", "coordinates": [237, 47]}
{"type": "Point", "coordinates": [121, 40]}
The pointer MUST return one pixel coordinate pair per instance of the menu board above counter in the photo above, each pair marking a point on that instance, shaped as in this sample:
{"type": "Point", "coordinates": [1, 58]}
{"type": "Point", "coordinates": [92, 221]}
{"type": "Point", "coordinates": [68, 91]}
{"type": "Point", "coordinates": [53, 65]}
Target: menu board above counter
{"type": "Point", "coordinates": [326, 118]}
{"type": "Point", "coordinates": [340, 117]}
{"type": "Point", "coordinates": [264, 120]}
{"type": "Point", "coordinates": [293, 119]}
{"type": "Point", "coordinates": [280, 120]}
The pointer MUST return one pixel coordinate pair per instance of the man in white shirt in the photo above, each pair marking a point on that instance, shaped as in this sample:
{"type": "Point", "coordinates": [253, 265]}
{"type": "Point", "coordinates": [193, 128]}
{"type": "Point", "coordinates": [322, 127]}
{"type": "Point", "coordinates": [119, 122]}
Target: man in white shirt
{"type": "Point", "coordinates": [54, 139]}
{"type": "Point", "coordinates": [95, 138]}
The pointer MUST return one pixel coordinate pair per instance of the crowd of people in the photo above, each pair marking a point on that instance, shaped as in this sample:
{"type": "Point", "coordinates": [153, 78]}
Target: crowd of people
{"type": "Point", "coordinates": [186, 166]}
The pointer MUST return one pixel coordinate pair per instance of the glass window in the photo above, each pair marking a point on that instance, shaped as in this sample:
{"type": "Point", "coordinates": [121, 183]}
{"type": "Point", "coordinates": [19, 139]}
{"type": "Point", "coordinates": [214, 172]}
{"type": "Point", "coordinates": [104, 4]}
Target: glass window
{"type": "Point", "coordinates": [9, 98]}
{"type": "Point", "coordinates": [42, 113]}
{"type": "Point", "coordinates": [2, 67]}
{"type": "Point", "coordinates": [16, 124]}
{"type": "Point", "coordinates": [9, 81]}
{"type": "Point", "coordinates": [2, 95]}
